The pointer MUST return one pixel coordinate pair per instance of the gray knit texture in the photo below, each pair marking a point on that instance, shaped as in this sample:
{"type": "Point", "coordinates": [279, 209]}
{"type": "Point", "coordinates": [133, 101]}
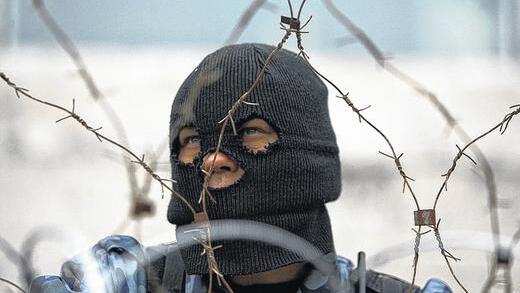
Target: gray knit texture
{"type": "Point", "coordinates": [289, 184]}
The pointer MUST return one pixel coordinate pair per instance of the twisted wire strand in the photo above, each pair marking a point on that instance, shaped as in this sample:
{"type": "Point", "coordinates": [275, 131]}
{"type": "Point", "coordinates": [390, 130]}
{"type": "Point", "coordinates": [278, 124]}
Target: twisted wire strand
{"type": "Point", "coordinates": [20, 91]}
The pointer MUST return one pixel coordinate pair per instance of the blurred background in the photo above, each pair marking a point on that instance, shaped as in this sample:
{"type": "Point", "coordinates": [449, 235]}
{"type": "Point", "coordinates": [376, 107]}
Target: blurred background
{"type": "Point", "coordinates": [61, 190]}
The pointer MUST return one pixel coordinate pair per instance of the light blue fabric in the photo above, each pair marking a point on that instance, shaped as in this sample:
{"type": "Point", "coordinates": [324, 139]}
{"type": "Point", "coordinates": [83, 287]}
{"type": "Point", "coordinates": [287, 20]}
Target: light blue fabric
{"type": "Point", "coordinates": [436, 286]}
{"type": "Point", "coordinates": [117, 264]}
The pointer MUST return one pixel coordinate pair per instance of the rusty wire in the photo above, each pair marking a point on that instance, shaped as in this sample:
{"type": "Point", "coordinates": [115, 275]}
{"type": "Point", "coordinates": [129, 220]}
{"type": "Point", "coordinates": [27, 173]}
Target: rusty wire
{"type": "Point", "coordinates": [294, 27]}
{"type": "Point", "coordinates": [381, 60]}
{"type": "Point", "coordinates": [141, 205]}
{"type": "Point", "coordinates": [417, 243]}
{"type": "Point", "coordinates": [396, 158]}
{"type": "Point", "coordinates": [406, 179]}
{"type": "Point", "coordinates": [501, 126]}
{"type": "Point", "coordinates": [377, 54]}
{"type": "Point", "coordinates": [209, 250]}
{"type": "Point", "coordinates": [139, 160]}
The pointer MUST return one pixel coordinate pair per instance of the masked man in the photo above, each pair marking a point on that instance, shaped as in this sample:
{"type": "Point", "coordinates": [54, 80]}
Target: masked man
{"type": "Point", "coordinates": [277, 168]}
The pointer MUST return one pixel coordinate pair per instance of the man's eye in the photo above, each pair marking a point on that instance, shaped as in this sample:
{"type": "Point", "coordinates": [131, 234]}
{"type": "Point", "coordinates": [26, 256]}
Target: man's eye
{"type": "Point", "coordinates": [191, 140]}
{"type": "Point", "coordinates": [251, 131]}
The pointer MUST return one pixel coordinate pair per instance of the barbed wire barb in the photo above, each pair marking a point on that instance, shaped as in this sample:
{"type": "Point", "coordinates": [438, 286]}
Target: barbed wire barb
{"type": "Point", "coordinates": [251, 103]}
{"type": "Point", "coordinates": [347, 100]}
{"type": "Point", "coordinates": [507, 119]}
{"type": "Point", "coordinates": [466, 155]}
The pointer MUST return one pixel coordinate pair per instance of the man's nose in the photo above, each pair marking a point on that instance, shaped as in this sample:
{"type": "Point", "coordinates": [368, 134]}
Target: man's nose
{"type": "Point", "coordinates": [221, 163]}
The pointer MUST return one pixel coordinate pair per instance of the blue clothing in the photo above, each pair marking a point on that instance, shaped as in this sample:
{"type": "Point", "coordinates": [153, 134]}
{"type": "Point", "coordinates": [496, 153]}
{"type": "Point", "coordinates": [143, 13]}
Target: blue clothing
{"type": "Point", "coordinates": [118, 264]}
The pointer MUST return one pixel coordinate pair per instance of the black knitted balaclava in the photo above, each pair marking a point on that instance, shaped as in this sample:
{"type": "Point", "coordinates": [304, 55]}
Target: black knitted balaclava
{"type": "Point", "coordinates": [288, 185]}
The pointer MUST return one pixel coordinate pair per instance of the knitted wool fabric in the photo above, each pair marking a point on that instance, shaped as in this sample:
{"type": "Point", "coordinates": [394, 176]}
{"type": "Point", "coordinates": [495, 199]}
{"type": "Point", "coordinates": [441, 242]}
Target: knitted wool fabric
{"type": "Point", "coordinates": [288, 185]}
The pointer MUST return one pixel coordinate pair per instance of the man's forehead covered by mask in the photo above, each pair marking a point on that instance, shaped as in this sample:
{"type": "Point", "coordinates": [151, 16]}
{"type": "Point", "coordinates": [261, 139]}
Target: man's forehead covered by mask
{"type": "Point", "coordinates": [290, 95]}
{"type": "Point", "coordinates": [286, 186]}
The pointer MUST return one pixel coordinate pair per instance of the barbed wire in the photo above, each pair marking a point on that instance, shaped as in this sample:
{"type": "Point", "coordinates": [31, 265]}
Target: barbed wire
{"type": "Point", "coordinates": [498, 252]}
{"type": "Point", "coordinates": [501, 126]}
{"type": "Point", "coordinates": [139, 160]}
{"type": "Point", "coordinates": [397, 161]}
{"type": "Point", "coordinates": [406, 179]}
{"type": "Point", "coordinates": [364, 39]}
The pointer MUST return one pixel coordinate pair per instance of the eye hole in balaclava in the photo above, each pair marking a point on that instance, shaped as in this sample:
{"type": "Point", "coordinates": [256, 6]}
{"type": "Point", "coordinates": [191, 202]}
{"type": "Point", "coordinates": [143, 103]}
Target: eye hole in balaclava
{"type": "Point", "coordinates": [188, 143]}
{"type": "Point", "coordinates": [256, 135]}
